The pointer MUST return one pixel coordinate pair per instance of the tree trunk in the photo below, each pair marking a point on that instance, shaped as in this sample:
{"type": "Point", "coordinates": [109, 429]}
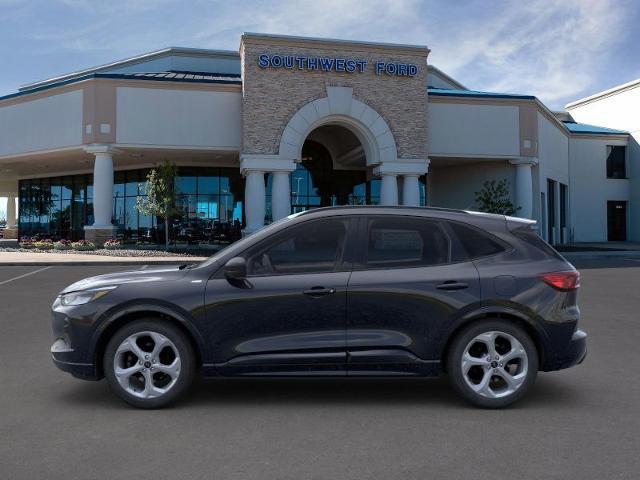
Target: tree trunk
{"type": "Point", "coordinates": [166, 233]}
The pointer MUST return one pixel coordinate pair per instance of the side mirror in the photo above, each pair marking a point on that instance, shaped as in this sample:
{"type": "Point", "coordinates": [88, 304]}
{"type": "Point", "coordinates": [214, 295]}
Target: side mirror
{"type": "Point", "coordinates": [236, 269]}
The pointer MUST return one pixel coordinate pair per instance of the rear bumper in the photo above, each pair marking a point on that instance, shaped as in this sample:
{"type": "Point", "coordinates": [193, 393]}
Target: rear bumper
{"type": "Point", "coordinates": [574, 354]}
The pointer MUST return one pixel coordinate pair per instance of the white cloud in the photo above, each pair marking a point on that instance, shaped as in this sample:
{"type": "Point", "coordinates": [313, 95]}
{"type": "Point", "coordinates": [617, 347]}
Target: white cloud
{"type": "Point", "coordinates": [552, 49]}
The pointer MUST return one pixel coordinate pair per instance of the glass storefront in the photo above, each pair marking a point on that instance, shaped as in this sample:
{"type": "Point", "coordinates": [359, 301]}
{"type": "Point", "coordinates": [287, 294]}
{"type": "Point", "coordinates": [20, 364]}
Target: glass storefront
{"type": "Point", "coordinates": [209, 202]}
{"type": "Point", "coordinates": [209, 205]}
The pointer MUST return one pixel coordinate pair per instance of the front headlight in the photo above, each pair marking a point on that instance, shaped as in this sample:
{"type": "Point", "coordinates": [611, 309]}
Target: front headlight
{"type": "Point", "coordinates": [83, 296]}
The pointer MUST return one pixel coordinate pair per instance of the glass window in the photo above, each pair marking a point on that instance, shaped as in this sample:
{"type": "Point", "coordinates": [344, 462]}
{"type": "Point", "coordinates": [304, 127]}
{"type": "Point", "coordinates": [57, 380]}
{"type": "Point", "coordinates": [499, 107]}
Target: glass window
{"type": "Point", "coordinates": [312, 247]}
{"type": "Point", "coordinates": [616, 162]}
{"type": "Point", "coordinates": [119, 179]}
{"type": "Point", "coordinates": [406, 242]}
{"type": "Point", "coordinates": [131, 185]}
{"type": "Point", "coordinates": [475, 242]}
{"type": "Point", "coordinates": [186, 184]}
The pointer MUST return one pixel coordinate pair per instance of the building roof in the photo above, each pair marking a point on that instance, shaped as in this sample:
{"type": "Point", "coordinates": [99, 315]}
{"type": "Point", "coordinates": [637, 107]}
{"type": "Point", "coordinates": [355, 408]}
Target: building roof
{"type": "Point", "coordinates": [475, 93]}
{"type": "Point", "coordinates": [145, 57]}
{"type": "Point", "coordinates": [575, 127]}
{"type": "Point", "coordinates": [604, 93]}
{"type": "Point", "coordinates": [171, 76]}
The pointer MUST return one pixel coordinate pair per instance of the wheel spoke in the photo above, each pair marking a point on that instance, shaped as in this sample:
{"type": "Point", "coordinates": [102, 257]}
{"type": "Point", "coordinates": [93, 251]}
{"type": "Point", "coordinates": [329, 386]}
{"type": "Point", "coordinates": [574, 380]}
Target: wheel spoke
{"type": "Point", "coordinates": [513, 382]}
{"type": "Point", "coordinates": [469, 361]}
{"type": "Point", "coordinates": [172, 370]}
{"type": "Point", "coordinates": [517, 351]}
{"type": "Point", "coordinates": [489, 339]}
{"type": "Point", "coordinates": [482, 388]}
{"type": "Point", "coordinates": [160, 341]}
{"type": "Point", "coordinates": [130, 345]}
{"type": "Point", "coordinates": [123, 374]}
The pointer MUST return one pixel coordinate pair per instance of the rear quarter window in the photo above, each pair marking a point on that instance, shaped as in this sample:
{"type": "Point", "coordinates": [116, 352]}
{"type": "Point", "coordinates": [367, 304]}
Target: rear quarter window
{"type": "Point", "coordinates": [476, 242]}
{"type": "Point", "coordinates": [529, 236]}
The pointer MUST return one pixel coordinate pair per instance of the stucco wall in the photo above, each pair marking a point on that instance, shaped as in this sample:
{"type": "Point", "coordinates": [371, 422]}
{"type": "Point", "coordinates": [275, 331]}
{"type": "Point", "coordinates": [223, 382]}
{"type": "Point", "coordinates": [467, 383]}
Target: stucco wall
{"type": "Point", "coordinates": [590, 189]}
{"type": "Point", "coordinates": [165, 117]}
{"type": "Point", "coordinates": [455, 186]}
{"type": "Point", "coordinates": [45, 123]}
{"type": "Point", "coordinates": [620, 111]}
{"type": "Point", "coordinates": [465, 129]}
{"type": "Point", "coordinates": [271, 96]}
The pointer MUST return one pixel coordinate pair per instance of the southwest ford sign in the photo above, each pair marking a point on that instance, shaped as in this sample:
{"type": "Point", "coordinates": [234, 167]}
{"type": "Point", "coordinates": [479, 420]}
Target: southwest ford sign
{"type": "Point", "coordinates": [331, 64]}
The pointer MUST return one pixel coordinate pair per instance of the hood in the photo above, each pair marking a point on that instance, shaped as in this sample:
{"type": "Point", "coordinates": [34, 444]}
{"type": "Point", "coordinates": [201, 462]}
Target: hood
{"type": "Point", "coordinates": [135, 276]}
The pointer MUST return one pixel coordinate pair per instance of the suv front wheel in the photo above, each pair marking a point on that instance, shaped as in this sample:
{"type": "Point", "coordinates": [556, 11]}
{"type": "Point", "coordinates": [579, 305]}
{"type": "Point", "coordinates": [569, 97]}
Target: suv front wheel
{"type": "Point", "coordinates": [492, 363]}
{"type": "Point", "coordinates": [149, 363]}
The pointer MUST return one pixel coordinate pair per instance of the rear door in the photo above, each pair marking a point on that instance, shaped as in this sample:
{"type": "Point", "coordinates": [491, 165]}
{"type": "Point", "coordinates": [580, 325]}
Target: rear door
{"type": "Point", "coordinates": [410, 281]}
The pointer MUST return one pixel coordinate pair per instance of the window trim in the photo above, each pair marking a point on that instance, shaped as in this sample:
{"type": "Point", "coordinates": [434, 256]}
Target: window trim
{"type": "Point", "coordinates": [345, 265]}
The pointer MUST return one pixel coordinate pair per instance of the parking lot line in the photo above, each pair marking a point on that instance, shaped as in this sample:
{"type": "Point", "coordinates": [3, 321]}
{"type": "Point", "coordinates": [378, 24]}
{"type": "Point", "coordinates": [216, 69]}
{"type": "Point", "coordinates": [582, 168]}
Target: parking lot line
{"type": "Point", "coordinates": [25, 275]}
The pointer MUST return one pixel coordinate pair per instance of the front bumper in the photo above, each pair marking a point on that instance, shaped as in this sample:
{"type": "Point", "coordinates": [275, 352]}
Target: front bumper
{"type": "Point", "coordinates": [63, 358]}
{"type": "Point", "coordinates": [574, 354]}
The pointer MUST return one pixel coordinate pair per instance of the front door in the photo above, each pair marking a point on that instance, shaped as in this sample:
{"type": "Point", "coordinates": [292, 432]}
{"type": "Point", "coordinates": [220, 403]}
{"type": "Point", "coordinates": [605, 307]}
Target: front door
{"type": "Point", "coordinates": [405, 288]}
{"type": "Point", "coordinates": [290, 316]}
{"type": "Point", "coordinates": [617, 221]}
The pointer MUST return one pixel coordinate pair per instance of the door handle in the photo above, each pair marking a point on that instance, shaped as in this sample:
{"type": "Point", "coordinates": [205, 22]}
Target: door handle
{"type": "Point", "coordinates": [319, 291]}
{"type": "Point", "coordinates": [452, 285]}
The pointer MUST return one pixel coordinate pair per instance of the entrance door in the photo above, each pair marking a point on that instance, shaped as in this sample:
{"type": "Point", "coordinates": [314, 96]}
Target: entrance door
{"type": "Point", "coordinates": [617, 221]}
{"type": "Point", "coordinates": [290, 315]}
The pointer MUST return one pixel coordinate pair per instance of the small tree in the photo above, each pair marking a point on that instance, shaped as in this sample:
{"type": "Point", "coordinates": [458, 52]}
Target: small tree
{"type": "Point", "coordinates": [160, 193]}
{"type": "Point", "coordinates": [494, 198]}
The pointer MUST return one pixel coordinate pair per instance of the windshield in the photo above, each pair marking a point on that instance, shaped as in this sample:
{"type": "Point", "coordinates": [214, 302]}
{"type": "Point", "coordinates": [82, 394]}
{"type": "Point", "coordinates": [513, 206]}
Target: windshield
{"type": "Point", "coordinates": [240, 245]}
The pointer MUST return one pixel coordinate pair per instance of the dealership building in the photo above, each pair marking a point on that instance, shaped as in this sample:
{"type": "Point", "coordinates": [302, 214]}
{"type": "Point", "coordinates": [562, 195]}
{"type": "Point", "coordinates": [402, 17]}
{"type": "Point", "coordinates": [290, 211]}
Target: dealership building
{"type": "Point", "coordinates": [290, 123]}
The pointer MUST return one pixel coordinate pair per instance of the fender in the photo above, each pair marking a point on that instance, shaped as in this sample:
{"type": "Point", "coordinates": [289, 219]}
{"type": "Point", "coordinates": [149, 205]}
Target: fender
{"type": "Point", "coordinates": [149, 305]}
{"type": "Point", "coordinates": [494, 309]}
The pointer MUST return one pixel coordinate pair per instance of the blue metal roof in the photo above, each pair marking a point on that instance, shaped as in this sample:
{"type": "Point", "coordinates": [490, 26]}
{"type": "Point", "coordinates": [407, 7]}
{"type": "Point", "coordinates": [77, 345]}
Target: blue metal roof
{"type": "Point", "coordinates": [188, 77]}
{"type": "Point", "coordinates": [575, 127]}
{"type": "Point", "coordinates": [444, 92]}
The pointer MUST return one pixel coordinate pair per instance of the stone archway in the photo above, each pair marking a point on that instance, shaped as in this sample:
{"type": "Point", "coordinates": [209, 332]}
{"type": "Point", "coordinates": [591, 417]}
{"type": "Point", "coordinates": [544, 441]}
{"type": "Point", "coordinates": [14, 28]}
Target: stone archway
{"type": "Point", "coordinates": [340, 108]}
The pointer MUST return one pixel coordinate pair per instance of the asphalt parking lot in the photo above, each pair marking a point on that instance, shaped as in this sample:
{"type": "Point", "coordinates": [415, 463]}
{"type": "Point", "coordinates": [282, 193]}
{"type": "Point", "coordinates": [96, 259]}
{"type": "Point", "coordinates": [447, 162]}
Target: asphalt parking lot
{"type": "Point", "coordinates": [582, 423]}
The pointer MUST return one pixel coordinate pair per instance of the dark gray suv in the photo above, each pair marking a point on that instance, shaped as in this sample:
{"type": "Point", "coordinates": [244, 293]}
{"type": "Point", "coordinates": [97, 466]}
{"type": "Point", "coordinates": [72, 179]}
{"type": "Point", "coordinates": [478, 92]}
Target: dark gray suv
{"type": "Point", "coordinates": [351, 291]}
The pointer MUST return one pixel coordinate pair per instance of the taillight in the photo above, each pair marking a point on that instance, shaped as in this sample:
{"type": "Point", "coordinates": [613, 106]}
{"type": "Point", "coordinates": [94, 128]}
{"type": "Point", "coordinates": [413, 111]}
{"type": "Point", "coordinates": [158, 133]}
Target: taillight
{"type": "Point", "coordinates": [564, 281]}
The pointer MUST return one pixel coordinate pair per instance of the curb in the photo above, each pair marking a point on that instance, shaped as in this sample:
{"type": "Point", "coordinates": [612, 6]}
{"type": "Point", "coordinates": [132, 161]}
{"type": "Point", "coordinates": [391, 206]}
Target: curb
{"type": "Point", "coordinates": [613, 254]}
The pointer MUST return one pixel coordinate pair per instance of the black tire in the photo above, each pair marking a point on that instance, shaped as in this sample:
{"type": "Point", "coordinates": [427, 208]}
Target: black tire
{"type": "Point", "coordinates": [457, 349]}
{"type": "Point", "coordinates": [183, 347]}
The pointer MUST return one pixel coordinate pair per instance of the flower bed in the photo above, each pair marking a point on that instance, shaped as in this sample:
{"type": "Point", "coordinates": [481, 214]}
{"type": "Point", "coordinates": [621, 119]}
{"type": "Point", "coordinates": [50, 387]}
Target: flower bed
{"type": "Point", "coordinates": [62, 245]}
{"type": "Point", "coordinates": [83, 245]}
{"type": "Point", "coordinates": [113, 244]}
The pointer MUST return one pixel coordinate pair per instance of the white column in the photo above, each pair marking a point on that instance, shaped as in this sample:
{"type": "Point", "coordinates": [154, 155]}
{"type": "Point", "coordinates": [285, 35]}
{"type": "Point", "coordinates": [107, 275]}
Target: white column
{"type": "Point", "coordinates": [11, 211]}
{"type": "Point", "coordinates": [103, 189]}
{"type": "Point", "coordinates": [280, 195]}
{"type": "Point", "coordinates": [411, 190]}
{"type": "Point", "coordinates": [524, 186]}
{"type": "Point", "coordinates": [389, 189]}
{"type": "Point", "coordinates": [254, 199]}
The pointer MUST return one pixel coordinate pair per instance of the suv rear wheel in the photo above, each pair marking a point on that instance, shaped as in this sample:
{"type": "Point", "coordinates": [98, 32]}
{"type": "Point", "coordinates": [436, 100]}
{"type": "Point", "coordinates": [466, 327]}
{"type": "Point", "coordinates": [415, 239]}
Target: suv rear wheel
{"type": "Point", "coordinates": [492, 363]}
{"type": "Point", "coordinates": [149, 363]}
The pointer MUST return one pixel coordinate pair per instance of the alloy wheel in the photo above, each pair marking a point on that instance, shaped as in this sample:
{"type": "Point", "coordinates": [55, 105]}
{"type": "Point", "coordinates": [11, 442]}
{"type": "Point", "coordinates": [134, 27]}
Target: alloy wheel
{"type": "Point", "coordinates": [494, 364]}
{"type": "Point", "coordinates": [147, 364]}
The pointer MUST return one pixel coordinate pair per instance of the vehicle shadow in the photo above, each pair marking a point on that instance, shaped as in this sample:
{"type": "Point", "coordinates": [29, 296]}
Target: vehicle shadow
{"type": "Point", "coordinates": [310, 392]}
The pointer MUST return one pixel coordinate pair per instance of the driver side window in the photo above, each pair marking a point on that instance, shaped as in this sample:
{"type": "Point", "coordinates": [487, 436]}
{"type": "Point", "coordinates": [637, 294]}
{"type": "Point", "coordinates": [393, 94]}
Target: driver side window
{"type": "Point", "coordinates": [312, 247]}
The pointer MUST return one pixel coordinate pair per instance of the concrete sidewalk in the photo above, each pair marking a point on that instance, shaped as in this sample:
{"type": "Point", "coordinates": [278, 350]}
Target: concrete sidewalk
{"type": "Point", "coordinates": [33, 258]}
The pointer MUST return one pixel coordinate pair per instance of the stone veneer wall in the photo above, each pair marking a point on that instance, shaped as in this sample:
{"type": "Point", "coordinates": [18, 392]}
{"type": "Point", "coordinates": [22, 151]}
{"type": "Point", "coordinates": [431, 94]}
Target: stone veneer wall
{"type": "Point", "coordinates": [271, 96]}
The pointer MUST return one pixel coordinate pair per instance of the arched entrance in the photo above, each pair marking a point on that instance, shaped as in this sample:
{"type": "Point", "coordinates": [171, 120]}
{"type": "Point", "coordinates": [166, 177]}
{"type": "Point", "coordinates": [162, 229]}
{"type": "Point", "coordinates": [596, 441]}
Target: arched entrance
{"type": "Point", "coordinates": [334, 150]}
{"type": "Point", "coordinates": [332, 171]}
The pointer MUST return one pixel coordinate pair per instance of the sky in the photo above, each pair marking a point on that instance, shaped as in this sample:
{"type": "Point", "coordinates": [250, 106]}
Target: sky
{"type": "Point", "coordinates": [557, 50]}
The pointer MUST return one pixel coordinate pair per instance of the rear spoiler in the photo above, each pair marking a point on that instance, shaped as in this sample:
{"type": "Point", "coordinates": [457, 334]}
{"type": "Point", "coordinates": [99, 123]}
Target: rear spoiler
{"type": "Point", "coordinates": [512, 222]}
